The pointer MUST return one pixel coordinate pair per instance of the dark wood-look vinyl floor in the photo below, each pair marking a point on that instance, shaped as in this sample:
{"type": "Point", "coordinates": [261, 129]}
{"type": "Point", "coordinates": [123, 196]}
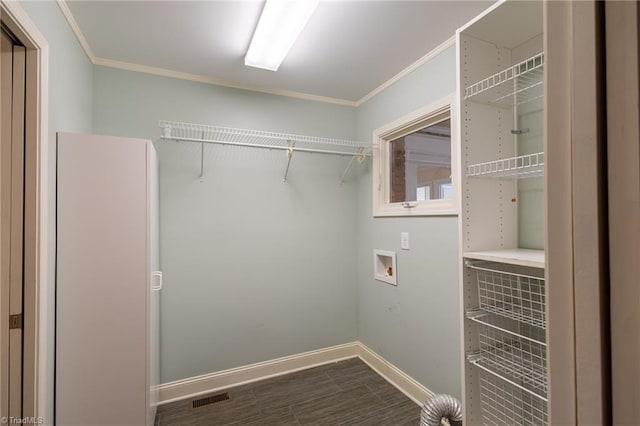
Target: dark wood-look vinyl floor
{"type": "Point", "coordinates": [343, 393]}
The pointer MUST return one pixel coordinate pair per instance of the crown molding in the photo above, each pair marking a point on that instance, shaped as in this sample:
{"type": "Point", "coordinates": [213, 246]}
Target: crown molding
{"type": "Point", "coordinates": [183, 75]}
{"type": "Point", "coordinates": [215, 81]}
{"type": "Point", "coordinates": [62, 4]}
{"type": "Point", "coordinates": [163, 72]}
{"type": "Point", "coordinates": [451, 41]}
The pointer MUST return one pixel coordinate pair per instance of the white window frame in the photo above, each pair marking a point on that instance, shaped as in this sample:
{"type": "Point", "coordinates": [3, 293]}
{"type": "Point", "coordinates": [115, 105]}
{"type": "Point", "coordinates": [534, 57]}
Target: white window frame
{"type": "Point", "coordinates": [382, 206]}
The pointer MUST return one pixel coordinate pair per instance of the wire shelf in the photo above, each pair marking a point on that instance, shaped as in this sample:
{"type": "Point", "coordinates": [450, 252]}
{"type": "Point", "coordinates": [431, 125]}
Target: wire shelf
{"type": "Point", "coordinates": [512, 295]}
{"type": "Point", "coordinates": [260, 139]}
{"type": "Point", "coordinates": [523, 166]}
{"type": "Point", "coordinates": [506, 405]}
{"type": "Point", "coordinates": [516, 355]}
{"type": "Point", "coordinates": [517, 85]}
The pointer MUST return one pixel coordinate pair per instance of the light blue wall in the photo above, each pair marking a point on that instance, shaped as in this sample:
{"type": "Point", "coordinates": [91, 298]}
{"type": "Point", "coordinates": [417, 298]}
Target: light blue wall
{"type": "Point", "coordinates": [257, 269]}
{"type": "Point", "coordinates": [70, 103]}
{"type": "Point", "coordinates": [254, 268]}
{"type": "Point", "coordinates": [415, 326]}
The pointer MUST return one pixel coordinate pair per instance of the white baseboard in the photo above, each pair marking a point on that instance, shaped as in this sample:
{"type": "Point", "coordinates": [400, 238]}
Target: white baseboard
{"type": "Point", "coordinates": [213, 382]}
{"type": "Point", "coordinates": [392, 374]}
{"type": "Point", "coordinates": [199, 385]}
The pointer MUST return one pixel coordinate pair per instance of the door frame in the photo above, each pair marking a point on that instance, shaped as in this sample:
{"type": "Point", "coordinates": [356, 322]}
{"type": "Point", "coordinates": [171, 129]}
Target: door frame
{"type": "Point", "coordinates": [38, 310]}
{"type": "Point", "coordinates": [623, 149]}
{"type": "Point", "coordinates": [576, 214]}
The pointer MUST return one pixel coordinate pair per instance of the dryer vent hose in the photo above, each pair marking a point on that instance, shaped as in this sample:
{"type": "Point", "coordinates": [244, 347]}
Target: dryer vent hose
{"type": "Point", "coordinates": [441, 407]}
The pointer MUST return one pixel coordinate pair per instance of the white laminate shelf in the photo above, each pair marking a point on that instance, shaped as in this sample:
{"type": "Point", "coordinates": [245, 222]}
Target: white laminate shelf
{"type": "Point", "coordinates": [521, 257]}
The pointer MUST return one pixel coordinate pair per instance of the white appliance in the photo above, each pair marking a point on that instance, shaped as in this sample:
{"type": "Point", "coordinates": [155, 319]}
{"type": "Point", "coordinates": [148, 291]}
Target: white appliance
{"type": "Point", "coordinates": [108, 281]}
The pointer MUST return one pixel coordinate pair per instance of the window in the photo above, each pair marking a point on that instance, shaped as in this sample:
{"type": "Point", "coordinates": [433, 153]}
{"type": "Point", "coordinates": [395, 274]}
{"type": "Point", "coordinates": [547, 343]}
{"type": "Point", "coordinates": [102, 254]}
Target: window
{"type": "Point", "coordinates": [423, 193]}
{"type": "Point", "coordinates": [414, 164]}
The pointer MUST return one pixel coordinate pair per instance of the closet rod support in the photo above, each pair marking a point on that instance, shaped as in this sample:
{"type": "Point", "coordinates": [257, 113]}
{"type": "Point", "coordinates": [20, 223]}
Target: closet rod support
{"type": "Point", "coordinates": [289, 153]}
{"type": "Point", "coordinates": [202, 162]}
{"type": "Point", "coordinates": [202, 158]}
{"type": "Point", "coordinates": [360, 157]}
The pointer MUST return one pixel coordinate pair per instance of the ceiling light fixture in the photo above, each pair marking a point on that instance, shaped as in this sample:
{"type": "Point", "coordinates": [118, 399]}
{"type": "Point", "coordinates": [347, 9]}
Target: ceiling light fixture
{"type": "Point", "coordinates": [279, 26]}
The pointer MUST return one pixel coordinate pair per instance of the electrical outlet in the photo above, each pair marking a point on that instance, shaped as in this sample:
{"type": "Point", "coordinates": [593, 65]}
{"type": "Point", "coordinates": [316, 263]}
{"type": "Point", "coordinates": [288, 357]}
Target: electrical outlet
{"type": "Point", "coordinates": [404, 240]}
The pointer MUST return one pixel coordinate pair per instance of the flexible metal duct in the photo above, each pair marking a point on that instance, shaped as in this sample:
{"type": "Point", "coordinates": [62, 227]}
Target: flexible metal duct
{"type": "Point", "coordinates": [441, 407]}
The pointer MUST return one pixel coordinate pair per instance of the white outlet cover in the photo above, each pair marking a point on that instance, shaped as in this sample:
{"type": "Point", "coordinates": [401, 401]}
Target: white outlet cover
{"type": "Point", "coordinates": [404, 240]}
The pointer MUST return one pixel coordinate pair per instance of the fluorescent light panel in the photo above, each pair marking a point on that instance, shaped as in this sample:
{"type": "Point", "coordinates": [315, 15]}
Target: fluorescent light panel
{"type": "Point", "coordinates": [279, 26]}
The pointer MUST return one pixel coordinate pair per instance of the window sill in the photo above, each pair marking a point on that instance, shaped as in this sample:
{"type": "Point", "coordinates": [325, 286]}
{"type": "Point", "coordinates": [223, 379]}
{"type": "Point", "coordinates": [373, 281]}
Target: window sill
{"type": "Point", "coordinates": [434, 208]}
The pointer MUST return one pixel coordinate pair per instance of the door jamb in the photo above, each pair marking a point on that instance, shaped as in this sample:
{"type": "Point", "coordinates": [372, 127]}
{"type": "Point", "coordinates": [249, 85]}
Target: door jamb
{"type": "Point", "coordinates": [37, 140]}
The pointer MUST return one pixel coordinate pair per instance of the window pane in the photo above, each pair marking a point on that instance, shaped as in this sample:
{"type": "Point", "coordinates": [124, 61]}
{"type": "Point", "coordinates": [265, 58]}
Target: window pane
{"type": "Point", "coordinates": [423, 193]}
{"type": "Point", "coordinates": [398, 172]}
{"type": "Point", "coordinates": [446, 190]}
{"type": "Point", "coordinates": [421, 160]}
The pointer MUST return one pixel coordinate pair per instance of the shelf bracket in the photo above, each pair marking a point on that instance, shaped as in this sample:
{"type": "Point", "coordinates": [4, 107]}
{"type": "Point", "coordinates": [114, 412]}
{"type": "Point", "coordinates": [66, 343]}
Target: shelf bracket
{"type": "Point", "coordinates": [289, 153]}
{"type": "Point", "coordinates": [166, 130]}
{"type": "Point", "coordinates": [359, 156]}
{"type": "Point", "coordinates": [475, 313]}
{"type": "Point", "coordinates": [202, 162]}
{"type": "Point", "coordinates": [202, 159]}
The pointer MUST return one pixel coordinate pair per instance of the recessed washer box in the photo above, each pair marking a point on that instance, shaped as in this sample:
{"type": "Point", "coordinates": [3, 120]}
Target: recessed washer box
{"type": "Point", "coordinates": [384, 266]}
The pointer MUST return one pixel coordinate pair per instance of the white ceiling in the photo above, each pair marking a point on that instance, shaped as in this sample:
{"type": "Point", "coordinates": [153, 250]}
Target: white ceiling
{"type": "Point", "coordinates": [348, 48]}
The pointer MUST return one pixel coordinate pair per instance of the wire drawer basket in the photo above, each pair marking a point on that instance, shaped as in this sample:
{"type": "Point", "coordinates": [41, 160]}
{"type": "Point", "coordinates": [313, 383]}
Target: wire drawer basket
{"type": "Point", "coordinates": [512, 350]}
{"type": "Point", "coordinates": [517, 296]}
{"type": "Point", "coordinates": [505, 405]}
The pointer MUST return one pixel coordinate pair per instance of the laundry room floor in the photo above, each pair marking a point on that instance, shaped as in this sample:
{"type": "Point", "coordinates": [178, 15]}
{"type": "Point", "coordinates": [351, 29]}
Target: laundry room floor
{"type": "Point", "coordinates": [343, 393]}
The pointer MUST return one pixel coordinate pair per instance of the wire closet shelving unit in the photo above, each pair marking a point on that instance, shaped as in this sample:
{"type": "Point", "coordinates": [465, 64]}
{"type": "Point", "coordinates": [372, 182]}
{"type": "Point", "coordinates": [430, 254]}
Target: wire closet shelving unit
{"type": "Point", "coordinates": [503, 265]}
{"type": "Point", "coordinates": [510, 88]}
{"type": "Point", "coordinates": [517, 85]}
{"type": "Point", "coordinates": [288, 143]}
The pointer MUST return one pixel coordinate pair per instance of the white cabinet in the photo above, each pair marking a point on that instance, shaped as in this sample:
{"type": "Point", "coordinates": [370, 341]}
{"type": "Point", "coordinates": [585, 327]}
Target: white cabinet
{"type": "Point", "coordinates": [501, 105]}
{"type": "Point", "coordinates": [107, 284]}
